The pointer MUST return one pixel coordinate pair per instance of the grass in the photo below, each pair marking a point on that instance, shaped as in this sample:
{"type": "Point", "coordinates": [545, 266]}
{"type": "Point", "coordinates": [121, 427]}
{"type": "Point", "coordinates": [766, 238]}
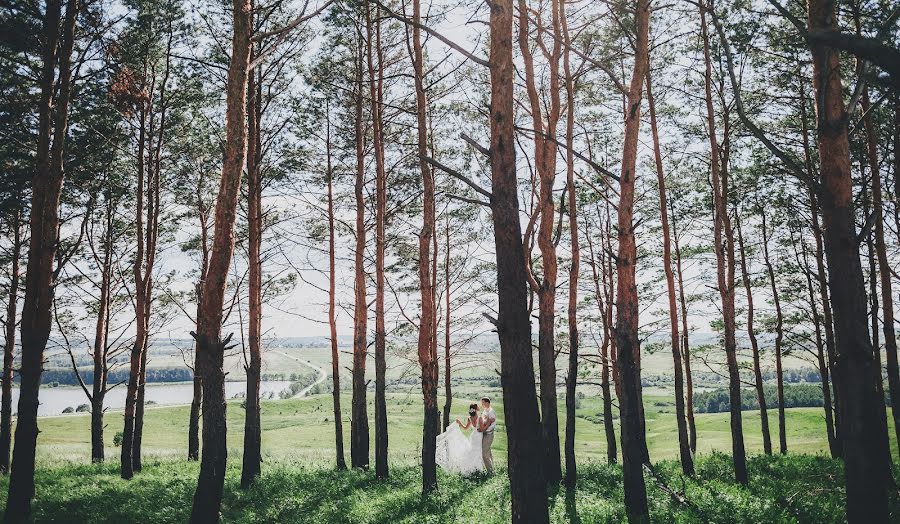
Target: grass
{"type": "Point", "coordinates": [299, 484]}
{"type": "Point", "coordinates": [793, 488]}
{"type": "Point", "coordinates": [303, 429]}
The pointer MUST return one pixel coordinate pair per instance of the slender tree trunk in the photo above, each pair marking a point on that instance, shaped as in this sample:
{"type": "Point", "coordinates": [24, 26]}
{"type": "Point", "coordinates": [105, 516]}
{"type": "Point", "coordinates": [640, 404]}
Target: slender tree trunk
{"type": "Point", "coordinates": [684, 445]}
{"type": "Point", "coordinates": [835, 447]}
{"type": "Point", "coordinates": [634, 439]}
{"type": "Point", "coordinates": [427, 343]}
{"type": "Point", "coordinates": [724, 245]}
{"type": "Point", "coordinates": [604, 355]}
{"type": "Point", "coordinates": [884, 440]}
{"type": "Point", "coordinates": [139, 409]}
{"type": "Point", "coordinates": [44, 224]}
{"type": "Point", "coordinates": [884, 270]}
{"type": "Point", "coordinates": [824, 371]}
{"type": "Point", "coordinates": [210, 345]}
{"type": "Point", "coordinates": [101, 350]}
{"type": "Point", "coordinates": [572, 204]}
{"type": "Point", "coordinates": [779, 337]}
{"type": "Point", "coordinates": [528, 490]}
{"type": "Point", "coordinates": [867, 498]}
{"type": "Point", "coordinates": [9, 341]}
{"type": "Point", "coordinates": [140, 301]}
{"type": "Point", "coordinates": [359, 418]}
{"type": "Point", "coordinates": [376, 81]}
{"type": "Point", "coordinates": [448, 389]}
{"type": "Point", "coordinates": [545, 165]}
{"type": "Point", "coordinates": [685, 342]}
{"type": "Point", "coordinates": [754, 344]}
{"type": "Point", "coordinates": [252, 458]}
{"type": "Point", "coordinates": [332, 309]}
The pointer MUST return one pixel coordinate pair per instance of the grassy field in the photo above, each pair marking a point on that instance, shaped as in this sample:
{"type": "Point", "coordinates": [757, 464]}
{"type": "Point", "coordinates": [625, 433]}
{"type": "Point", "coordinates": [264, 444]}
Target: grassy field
{"type": "Point", "coordinates": [299, 484]}
{"type": "Point", "coordinates": [303, 429]}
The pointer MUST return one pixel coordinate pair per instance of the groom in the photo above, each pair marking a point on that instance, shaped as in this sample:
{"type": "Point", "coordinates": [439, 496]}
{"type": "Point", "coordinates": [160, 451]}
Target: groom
{"type": "Point", "coordinates": [489, 423]}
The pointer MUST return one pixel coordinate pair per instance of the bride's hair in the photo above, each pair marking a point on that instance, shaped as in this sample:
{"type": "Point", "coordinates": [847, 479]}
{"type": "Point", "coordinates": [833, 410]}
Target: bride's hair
{"type": "Point", "coordinates": [473, 409]}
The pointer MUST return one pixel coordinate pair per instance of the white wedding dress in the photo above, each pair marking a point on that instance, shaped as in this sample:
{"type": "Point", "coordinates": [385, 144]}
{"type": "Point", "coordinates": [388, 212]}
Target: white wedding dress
{"type": "Point", "coordinates": [458, 453]}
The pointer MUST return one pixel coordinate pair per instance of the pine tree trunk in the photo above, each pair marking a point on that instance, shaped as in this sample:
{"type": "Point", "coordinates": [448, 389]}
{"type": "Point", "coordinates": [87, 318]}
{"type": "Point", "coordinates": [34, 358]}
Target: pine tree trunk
{"type": "Point", "coordinates": [359, 417]}
{"type": "Point", "coordinates": [448, 387]}
{"type": "Point", "coordinates": [528, 490]}
{"type": "Point", "coordinates": [545, 165]}
{"type": "Point", "coordinates": [46, 189]}
{"type": "Point", "coordinates": [634, 439]}
{"type": "Point", "coordinates": [427, 343]}
{"type": "Point", "coordinates": [603, 308]}
{"type": "Point", "coordinates": [724, 247]}
{"type": "Point", "coordinates": [834, 446]}
{"type": "Point", "coordinates": [375, 58]}
{"type": "Point", "coordinates": [127, 457]}
{"type": "Point", "coordinates": [9, 341]}
{"type": "Point", "coordinates": [101, 332]}
{"type": "Point", "coordinates": [824, 372]}
{"type": "Point", "coordinates": [332, 308]}
{"type": "Point", "coordinates": [252, 458]}
{"type": "Point", "coordinates": [867, 499]}
{"type": "Point", "coordinates": [197, 397]}
{"type": "Point", "coordinates": [884, 269]}
{"type": "Point", "coordinates": [572, 320]}
{"type": "Point", "coordinates": [197, 383]}
{"type": "Point", "coordinates": [779, 337]}
{"type": "Point", "coordinates": [685, 342]}
{"type": "Point", "coordinates": [754, 344]}
{"type": "Point", "coordinates": [684, 444]}
{"type": "Point", "coordinates": [210, 345]}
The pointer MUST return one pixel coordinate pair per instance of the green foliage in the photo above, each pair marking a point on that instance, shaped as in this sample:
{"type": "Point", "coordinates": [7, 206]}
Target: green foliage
{"type": "Point", "coordinates": [795, 396]}
{"type": "Point", "coordinates": [117, 438]}
{"type": "Point", "coordinates": [83, 408]}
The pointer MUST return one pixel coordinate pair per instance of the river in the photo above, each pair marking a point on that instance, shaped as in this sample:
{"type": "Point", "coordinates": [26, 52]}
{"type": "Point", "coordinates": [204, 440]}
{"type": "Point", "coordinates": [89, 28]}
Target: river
{"type": "Point", "coordinates": [55, 400]}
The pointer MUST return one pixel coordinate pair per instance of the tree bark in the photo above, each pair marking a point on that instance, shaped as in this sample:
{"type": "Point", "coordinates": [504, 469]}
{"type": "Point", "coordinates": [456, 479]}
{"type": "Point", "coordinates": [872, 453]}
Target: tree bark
{"type": "Point", "coordinates": [332, 309]}
{"type": "Point", "coordinates": [44, 225]}
{"type": "Point", "coordinates": [603, 307]}
{"type": "Point", "coordinates": [252, 458]}
{"type": "Point", "coordinates": [127, 456]}
{"type": "Point", "coordinates": [448, 385]}
{"type": "Point", "coordinates": [528, 490]}
{"type": "Point", "coordinates": [779, 337]}
{"type": "Point", "coordinates": [867, 498]}
{"type": "Point", "coordinates": [545, 165]}
{"type": "Point", "coordinates": [724, 246]}
{"type": "Point", "coordinates": [101, 335]}
{"type": "Point", "coordinates": [359, 418]}
{"type": "Point", "coordinates": [427, 344]}
{"type": "Point", "coordinates": [575, 251]}
{"type": "Point", "coordinates": [684, 444]}
{"type": "Point", "coordinates": [376, 82]}
{"type": "Point", "coordinates": [754, 344]}
{"type": "Point", "coordinates": [634, 439]}
{"type": "Point", "coordinates": [824, 370]}
{"type": "Point", "coordinates": [685, 341]}
{"type": "Point", "coordinates": [884, 269]}
{"type": "Point", "coordinates": [835, 444]}
{"type": "Point", "coordinates": [9, 341]}
{"type": "Point", "coordinates": [210, 346]}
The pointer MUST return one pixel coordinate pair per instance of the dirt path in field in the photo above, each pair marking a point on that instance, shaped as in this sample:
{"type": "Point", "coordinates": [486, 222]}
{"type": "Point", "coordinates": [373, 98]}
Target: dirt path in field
{"type": "Point", "coordinates": [321, 378]}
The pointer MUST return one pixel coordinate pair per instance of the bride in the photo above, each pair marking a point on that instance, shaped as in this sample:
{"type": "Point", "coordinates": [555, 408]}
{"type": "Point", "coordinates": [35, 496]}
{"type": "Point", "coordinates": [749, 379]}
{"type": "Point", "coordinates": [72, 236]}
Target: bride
{"type": "Point", "coordinates": [458, 452]}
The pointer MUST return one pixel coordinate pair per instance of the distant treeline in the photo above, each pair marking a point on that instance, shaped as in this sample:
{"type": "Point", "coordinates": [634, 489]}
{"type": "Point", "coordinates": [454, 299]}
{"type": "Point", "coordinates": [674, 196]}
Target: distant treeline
{"type": "Point", "coordinates": [802, 375]}
{"type": "Point", "coordinates": [66, 377]}
{"type": "Point", "coordinates": [795, 396]}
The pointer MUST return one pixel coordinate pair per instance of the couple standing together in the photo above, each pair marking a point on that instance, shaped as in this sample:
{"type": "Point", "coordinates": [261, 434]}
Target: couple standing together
{"type": "Point", "coordinates": [462, 454]}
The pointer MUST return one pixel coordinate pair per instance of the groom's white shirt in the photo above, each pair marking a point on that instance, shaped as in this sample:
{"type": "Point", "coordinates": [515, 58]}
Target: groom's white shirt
{"type": "Point", "coordinates": [490, 415]}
